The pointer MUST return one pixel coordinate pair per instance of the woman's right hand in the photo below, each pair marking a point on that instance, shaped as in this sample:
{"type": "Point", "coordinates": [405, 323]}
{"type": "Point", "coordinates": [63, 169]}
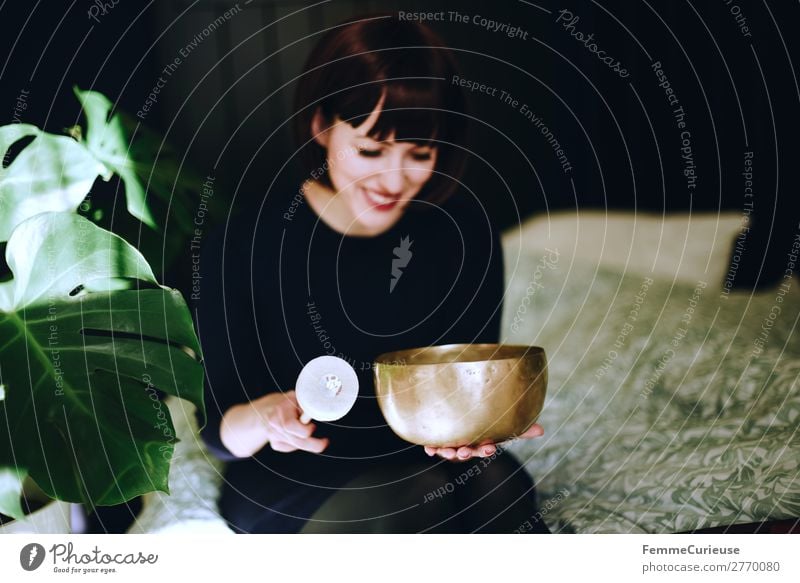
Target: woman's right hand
{"type": "Point", "coordinates": [275, 419]}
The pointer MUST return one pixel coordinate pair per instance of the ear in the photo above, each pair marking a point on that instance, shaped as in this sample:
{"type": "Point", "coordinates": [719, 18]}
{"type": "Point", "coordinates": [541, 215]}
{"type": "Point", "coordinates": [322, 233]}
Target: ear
{"type": "Point", "coordinates": [319, 128]}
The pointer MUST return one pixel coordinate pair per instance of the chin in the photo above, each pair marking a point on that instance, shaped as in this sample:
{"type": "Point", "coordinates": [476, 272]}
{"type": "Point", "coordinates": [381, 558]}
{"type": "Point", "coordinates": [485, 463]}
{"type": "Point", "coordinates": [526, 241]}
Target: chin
{"type": "Point", "coordinates": [377, 222]}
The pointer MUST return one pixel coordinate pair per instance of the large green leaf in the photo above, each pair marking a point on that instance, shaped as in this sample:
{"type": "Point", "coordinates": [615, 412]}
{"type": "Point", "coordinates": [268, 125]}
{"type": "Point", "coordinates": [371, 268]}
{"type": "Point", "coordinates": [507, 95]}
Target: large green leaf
{"type": "Point", "coordinates": [108, 140]}
{"type": "Point", "coordinates": [161, 169]}
{"type": "Point", "coordinates": [86, 336]}
{"type": "Point", "coordinates": [52, 173]}
{"type": "Point", "coordinates": [152, 171]}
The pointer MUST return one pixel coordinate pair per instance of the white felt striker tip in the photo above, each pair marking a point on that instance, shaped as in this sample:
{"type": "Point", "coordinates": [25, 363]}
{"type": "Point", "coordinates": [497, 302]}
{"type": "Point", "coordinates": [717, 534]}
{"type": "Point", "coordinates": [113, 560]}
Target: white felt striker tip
{"type": "Point", "coordinates": [326, 388]}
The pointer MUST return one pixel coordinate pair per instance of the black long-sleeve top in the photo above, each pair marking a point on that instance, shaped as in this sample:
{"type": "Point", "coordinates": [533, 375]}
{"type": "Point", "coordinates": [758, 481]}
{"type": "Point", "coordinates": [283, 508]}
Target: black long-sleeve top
{"type": "Point", "coordinates": [279, 287]}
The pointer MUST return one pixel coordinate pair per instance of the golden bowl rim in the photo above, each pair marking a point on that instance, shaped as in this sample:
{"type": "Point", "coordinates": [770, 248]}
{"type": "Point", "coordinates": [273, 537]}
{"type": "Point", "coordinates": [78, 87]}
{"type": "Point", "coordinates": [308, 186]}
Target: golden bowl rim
{"type": "Point", "coordinates": [395, 357]}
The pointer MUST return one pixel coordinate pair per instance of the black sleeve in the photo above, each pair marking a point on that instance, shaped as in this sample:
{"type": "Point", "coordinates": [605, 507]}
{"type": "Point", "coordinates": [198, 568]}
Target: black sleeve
{"type": "Point", "coordinates": [473, 311]}
{"type": "Point", "coordinates": [225, 326]}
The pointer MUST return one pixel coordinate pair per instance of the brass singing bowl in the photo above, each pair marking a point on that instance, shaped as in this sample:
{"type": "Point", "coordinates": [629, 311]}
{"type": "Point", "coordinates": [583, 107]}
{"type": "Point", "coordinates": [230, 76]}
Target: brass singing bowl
{"type": "Point", "coordinates": [461, 394]}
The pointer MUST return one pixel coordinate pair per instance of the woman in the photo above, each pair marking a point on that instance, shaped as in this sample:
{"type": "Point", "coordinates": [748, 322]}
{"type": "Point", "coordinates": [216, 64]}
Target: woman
{"type": "Point", "coordinates": [371, 255]}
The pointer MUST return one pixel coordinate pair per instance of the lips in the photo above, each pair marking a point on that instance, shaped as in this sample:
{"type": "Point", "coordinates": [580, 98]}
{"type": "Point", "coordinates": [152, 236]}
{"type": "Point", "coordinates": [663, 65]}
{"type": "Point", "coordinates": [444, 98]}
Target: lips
{"type": "Point", "coordinates": [380, 201]}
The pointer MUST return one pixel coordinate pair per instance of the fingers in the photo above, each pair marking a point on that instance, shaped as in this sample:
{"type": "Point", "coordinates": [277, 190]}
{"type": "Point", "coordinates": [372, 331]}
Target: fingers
{"type": "Point", "coordinates": [487, 449]}
{"type": "Point", "coordinates": [483, 450]}
{"type": "Point", "coordinates": [287, 433]}
{"type": "Point", "coordinates": [296, 428]}
{"type": "Point", "coordinates": [534, 430]}
{"type": "Point", "coordinates": [306, 443]}
{"type": "Point", "coordinates": [464, 452]}
{"type": "Point", "coordinates": [312, 444]}
{"type": "Point", "coordinates": [286, 446]}
{"type": "Point", "coordinates": [445, 452]}
{"type": "Point", "coordinates": [281, 446]}
{"type": "Point", "coordinates": [288, 442]}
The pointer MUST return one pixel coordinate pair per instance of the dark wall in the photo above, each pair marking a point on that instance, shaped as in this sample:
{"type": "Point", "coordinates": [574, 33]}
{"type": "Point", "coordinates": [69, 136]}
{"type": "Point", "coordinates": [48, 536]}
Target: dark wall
{"type": "Point", "coordinates": [227, 103]}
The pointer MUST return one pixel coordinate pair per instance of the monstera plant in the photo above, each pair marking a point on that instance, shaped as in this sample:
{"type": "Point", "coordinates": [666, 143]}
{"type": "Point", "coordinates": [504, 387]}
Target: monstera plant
{"type": "Point", "coordinates": [88, 339]}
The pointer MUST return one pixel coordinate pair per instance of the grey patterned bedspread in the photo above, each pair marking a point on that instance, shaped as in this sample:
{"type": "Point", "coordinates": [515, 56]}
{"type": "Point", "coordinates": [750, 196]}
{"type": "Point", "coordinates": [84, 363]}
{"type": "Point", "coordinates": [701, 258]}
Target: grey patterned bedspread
{"type": "Point", "coordinates": [672, 405]}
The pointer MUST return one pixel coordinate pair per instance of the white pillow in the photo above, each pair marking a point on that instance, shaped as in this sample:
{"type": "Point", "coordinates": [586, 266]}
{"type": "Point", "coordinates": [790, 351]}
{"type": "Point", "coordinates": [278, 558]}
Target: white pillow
{"type": "Point", "coordinates": [685, 246]}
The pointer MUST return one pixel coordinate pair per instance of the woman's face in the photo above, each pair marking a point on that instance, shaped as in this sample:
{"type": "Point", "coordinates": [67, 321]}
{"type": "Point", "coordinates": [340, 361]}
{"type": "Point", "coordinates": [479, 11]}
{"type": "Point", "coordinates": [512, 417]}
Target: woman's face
{"type": "Point", "coordinates": [373, 180]}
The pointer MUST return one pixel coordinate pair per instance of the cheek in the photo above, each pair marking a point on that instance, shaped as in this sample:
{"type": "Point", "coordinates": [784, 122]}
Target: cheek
{"type": "Point", "coordinates": [340, 159]}
{"type": "Point", "coordinates": [358, 167]}
{"type": "Point", "coordinates": [419, 175]}
{"type": "Point", "coordinates": [349, 168]}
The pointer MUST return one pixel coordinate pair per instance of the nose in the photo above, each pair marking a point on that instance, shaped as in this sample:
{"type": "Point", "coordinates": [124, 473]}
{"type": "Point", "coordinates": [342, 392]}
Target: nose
{"type": "Point", "coordinates": [392, 179]}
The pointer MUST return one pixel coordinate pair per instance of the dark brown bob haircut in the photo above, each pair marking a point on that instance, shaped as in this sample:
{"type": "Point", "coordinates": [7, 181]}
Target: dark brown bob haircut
{"type": "Point", "coordinates": [351, 68]}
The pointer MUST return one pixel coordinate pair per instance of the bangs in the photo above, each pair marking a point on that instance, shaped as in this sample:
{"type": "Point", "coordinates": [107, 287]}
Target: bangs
{"type": "Point", "coordinates": [413, 110]}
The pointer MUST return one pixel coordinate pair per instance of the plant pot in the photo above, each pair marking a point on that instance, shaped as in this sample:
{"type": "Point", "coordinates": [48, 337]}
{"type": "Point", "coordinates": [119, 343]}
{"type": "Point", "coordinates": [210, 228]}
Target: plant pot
{"type": "Point", "coordinates": [52, 518]}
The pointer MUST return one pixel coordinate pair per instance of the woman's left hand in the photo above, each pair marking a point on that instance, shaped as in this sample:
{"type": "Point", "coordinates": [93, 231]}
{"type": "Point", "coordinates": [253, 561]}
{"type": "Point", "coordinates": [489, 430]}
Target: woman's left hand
{"type": "Point", "coordinates": [465, 452]}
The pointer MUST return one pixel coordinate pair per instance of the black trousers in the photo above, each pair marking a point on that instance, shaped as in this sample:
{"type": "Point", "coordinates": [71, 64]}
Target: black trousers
{"type": "Point", "coordinates": [408, 494]}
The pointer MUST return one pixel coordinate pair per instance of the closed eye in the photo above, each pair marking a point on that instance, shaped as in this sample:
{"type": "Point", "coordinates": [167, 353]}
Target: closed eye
{"type": "Point", "coordinates": [369, 153]}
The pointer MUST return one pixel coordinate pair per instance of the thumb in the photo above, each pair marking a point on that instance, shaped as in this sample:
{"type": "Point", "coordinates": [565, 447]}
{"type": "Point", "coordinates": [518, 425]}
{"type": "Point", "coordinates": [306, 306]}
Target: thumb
{"type": "Point", "coordinates": [534, 430]}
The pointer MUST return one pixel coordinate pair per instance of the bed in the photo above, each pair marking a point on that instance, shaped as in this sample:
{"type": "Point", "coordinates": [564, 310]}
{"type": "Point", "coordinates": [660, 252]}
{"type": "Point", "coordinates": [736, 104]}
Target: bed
{"type": "Point", "coordinates": [673, 401]}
